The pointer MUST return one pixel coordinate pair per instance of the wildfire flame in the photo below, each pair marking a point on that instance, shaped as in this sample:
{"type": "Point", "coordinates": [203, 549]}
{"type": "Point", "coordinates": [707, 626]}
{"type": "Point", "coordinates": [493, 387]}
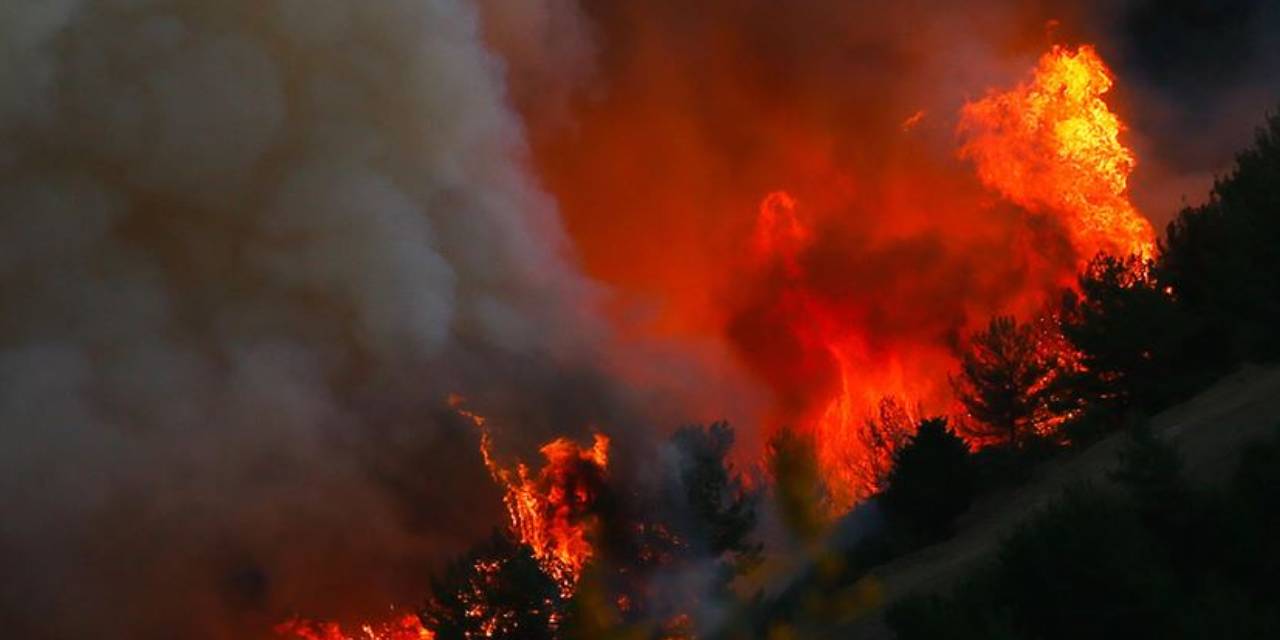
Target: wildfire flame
{"type": "Point", "coordinates": [407, 627]}
{"type": "Point", "coordinates": [551, 510]}
{"type": "Point", "coordinates": [1052, 143]}
{"type": "Point", "coordinates": [854, 445]}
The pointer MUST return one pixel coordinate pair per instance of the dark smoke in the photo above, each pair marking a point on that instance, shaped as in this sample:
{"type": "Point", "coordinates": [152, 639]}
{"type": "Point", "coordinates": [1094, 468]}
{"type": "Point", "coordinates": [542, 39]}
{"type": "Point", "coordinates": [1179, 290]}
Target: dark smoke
{"type": "Point", "coordinates": [1197, 76]}
{"type": "Point", "coordinates": [249, 248]}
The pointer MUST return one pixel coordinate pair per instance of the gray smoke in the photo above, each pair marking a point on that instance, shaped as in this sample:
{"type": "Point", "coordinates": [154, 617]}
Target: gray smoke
{"type": "Point", "coordinates": [248, 248]}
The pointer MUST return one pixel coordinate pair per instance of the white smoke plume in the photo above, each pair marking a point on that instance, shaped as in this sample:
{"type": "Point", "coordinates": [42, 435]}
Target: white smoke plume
{"type": "Point", "coordinates": [246, 249]}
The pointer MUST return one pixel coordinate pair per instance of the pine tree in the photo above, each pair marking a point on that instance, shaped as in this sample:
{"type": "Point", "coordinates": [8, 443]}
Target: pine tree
{"type": "Point", "coordinates": [496, 591]}
{"type": "Point", "coordinates": [1006, 383]}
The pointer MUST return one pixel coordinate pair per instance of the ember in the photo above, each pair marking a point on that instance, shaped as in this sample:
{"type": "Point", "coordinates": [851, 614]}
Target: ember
{"type": "Point", "coordinates": [407, 627]}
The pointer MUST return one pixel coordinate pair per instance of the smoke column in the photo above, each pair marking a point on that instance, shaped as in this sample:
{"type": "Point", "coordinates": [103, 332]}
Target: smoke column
{"type": "Point", "coordinates": [248, 249]}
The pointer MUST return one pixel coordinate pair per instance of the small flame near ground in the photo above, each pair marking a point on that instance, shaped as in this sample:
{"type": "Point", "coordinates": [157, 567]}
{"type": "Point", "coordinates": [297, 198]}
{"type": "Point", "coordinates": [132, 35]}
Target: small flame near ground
{"type": "Point", "coordinates": [406, 627]}
{"type": "Point", "coordinates": [550, 511]}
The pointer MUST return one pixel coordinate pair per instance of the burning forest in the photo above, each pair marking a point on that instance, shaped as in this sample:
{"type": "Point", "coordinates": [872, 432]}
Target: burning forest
{"type": "Point", "coordinates": [549, 319]}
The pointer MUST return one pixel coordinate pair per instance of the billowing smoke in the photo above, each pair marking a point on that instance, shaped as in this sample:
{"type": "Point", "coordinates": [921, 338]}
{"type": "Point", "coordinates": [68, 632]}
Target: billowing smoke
{"type": "Point", "coordinates": [248, 249]}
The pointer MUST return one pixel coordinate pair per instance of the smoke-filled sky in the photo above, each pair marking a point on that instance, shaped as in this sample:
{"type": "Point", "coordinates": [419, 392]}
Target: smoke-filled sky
{"type": "Point", "coordinates": [660, 147]}
{"type": "Point", "coordinates": [249, 247]}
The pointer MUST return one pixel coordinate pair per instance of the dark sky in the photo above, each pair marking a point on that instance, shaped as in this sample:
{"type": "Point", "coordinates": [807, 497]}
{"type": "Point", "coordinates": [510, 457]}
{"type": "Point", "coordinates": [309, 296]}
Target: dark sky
{"type": "Point", "coordinates": [1212, 65]}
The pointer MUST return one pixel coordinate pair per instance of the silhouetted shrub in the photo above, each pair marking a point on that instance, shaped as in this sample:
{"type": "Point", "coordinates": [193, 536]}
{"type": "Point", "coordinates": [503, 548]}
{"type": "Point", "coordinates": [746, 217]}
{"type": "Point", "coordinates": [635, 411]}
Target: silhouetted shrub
{"type": "Point", "coordinates": [1151, 470]}
{"type": "Point", "coordinates": [1088, 553]}
{"type": "Point", "coordinates": [932, 480]}
{"type": "Point", "coordinates": [1222, 259]}
{"type": "Point", "coordinates": [1094, 422]}
{"type": "Point", "coordinates": [1256, 492]}
{"type": "Point", "coordinates": [1157, 560]}
{"type": "Point", "coordinates": [1002, 466]}
{"type": "Point", "coordinates": [1132, 337]}
{"type": "Point", "coordinates": [799, 490]}
{"type": "Point", "coordinates": [719, 513]}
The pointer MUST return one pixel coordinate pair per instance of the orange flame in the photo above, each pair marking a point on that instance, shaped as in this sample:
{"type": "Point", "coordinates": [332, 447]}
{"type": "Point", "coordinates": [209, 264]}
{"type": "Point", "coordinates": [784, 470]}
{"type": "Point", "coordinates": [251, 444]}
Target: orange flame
{"type": "Point", "coordinates": [913, 120]}
{"type": "Point", "coordinates": [864, 421]}
{"type": "Point", "coordinates": [1052, 144]}
{"type": "Point", "coordinates": [407, 627]}
{"type": "Point", "coordinates": [551, 510]}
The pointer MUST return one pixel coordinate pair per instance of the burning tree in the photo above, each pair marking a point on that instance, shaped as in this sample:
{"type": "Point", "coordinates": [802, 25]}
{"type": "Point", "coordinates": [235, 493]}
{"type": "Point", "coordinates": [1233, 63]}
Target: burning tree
{"type": "Point", "coordinates": [406, 627]}
{"type": "Point", "coordinates": [552, 510]}
{"type": "Point", "coordinates": [1131, 334]}
{"type": "Point", "coordinates": [569, 519]}
{"type": "Point", "coordinates": [884, 435]}
{"type": "Point", "coordinates": [498, 591]}
{"type": "Point", "coordinates": [1008, 382]}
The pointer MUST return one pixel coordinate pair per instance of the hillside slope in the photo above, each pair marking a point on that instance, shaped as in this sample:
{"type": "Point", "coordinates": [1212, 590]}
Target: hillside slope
{"type": "Point", "coordinates": [1209, 431]}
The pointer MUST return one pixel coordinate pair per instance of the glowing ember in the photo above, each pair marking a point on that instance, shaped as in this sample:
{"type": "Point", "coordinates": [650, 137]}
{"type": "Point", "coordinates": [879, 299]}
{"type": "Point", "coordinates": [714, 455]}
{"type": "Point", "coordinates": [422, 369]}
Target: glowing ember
{"type": "Point", "coordinates": [407, 627]}
{"type": "Point", "coordinates": [1053, 144]}
{"type": "Point", "coordinates": [551, 510]}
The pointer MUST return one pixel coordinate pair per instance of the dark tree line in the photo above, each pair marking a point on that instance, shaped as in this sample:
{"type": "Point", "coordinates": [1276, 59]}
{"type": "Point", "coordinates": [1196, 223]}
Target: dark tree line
{"type": "Point", "coordinates": [1135, 335]}
{"type": "Point", "coordinates": [1161, 558]}
{"type": "Point", "coordinates": [1158, 559]}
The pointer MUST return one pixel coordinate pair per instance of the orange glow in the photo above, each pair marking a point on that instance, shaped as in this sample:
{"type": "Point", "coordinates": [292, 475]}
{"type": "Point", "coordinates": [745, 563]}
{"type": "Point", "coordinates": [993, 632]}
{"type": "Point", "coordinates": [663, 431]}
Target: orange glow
{"type": "Point", "coordinates": [779, 232]}
{"type": "Point", "coordinates": [863, 420]}
{"type": "Point", "coordinates": [823, 239]}
{"type": "Point", "coordinates": [913, 120]}
{"type": "Point", "coordinates": [551, 510]}
{"type": "Point", "coordinates": [860, 366]}
{"type": "Point", "coordinates": [406, 627]}
{"type": "Point", "coordinates": [1053, 145]}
